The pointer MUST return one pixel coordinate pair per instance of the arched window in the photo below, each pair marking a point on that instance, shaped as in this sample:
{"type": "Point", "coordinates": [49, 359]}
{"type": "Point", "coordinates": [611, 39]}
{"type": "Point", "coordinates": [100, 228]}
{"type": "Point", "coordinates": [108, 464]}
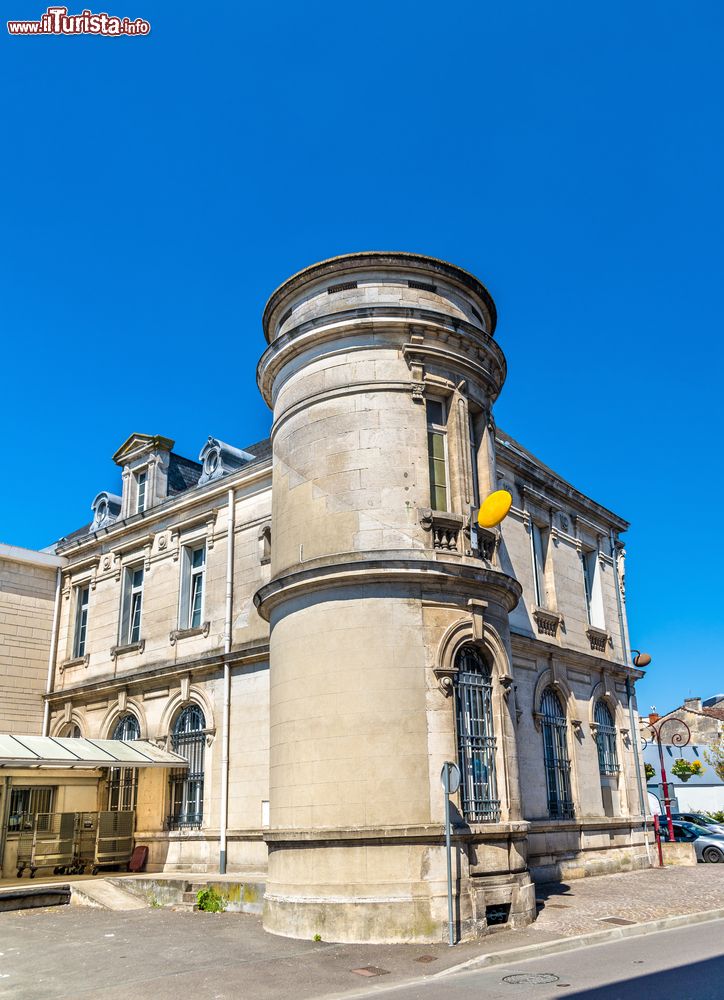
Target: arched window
{"type": "Point", "coordinates": [123, 781]}
{"type": "Point", "coordinates": [127, 728]}
{"type": "Point", "coordinates": [72, 730]}
{"type": "Point", "coordinates": [606, 739]}
{"type": "Point", "coordinates": [476, 741]}
{"type": "Point", "coordinates": [555, 752]}
{"type": "Point", "coordinates": [187, 784]}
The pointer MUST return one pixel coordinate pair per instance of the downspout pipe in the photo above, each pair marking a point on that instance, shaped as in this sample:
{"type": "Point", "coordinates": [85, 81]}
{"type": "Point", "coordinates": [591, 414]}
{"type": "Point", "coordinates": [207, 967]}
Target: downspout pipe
{"type": "Point", "coordinates": [629, 695]}
{"type": "Point", "coordinates": [224, 809]}
{"type": "Point", "coordinates": [52, 653]}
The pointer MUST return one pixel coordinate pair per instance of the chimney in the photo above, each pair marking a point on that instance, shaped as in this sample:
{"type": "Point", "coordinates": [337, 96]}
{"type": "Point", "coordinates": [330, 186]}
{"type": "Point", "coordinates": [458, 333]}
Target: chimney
{"type": "Point", "coordinates": [693, 704]}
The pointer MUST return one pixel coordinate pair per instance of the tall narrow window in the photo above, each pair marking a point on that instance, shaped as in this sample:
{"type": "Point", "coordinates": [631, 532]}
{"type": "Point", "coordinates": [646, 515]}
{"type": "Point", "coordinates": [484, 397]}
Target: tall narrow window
{"type": "Point", "coordinates": [122, 781]}
{"type": "Point", "coordinates": [187, 785]}
{"type": "Point", "coordinates": [606, 739]}
{"type": "Point", "coordinates": [476, 740]}
{"type": "Point", "coordinates": [474, 444]}
{"type": "Point", "coordinates": [81, 620]}
{"type": "Point", "coordinates": [141, 482]}
{"type": "Point", "coordinates": [557, 761]}
{"type": "Point", "coordinates": [132, 605]}
{"type": "Point", "coordinates": [539, 546]}
{"type": "Point", "coordinates": [192, 586]}
{"type": "Point", "coordinates": [592, 585]}
{"type": "Point", "coordinates": [436, 450]}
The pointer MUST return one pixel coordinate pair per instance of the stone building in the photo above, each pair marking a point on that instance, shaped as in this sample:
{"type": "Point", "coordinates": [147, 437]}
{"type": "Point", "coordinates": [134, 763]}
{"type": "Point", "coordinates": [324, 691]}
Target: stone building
{"type": "Point", "coordinates": [28, 584]}
{"type": "Point", "coordinates": [316, 622]}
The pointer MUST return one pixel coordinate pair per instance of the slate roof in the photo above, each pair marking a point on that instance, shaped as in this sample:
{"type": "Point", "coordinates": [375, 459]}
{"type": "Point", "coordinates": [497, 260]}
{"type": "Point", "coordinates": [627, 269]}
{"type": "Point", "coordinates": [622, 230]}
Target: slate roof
{"type": "Point", "coordinates": [183, 473]}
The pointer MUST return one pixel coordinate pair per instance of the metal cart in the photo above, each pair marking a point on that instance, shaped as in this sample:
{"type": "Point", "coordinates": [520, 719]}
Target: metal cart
{"type": "Point", "coordinates": [47, 841]}
{"type": "Point", "coordinates": [105, 839]}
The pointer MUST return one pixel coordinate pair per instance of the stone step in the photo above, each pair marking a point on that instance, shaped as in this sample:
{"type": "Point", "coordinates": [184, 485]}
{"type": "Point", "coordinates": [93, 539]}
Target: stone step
{"type": "Point", "coordinates": [100, 893]}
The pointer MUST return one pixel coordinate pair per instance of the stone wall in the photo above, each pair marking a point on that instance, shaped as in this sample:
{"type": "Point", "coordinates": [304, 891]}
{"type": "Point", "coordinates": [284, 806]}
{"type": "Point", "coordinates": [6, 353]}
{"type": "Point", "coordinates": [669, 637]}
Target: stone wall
{"type": "Point", "coordinates": [27, 593]}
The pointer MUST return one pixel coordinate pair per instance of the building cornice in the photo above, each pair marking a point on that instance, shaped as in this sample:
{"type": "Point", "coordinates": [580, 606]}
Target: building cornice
{"type": "Point", "coordinates": [145, 677]}
{"type": "Point", "coordinates": [31, 557]}
{"type": "Point", "coordinates": [561, 489]}
{"type": "Point", "coordinates": [353, 570]}
{"type": "Point", "coordinates": [376, 260]}
{"type": "Point", "coordinates": [387, 324]}
{"type": "Point", "coordinates": [171, 507]}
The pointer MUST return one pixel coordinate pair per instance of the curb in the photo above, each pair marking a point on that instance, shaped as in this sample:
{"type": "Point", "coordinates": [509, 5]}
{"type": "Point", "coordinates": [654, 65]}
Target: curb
{"type": "Point", "coordinates": [525, 952]}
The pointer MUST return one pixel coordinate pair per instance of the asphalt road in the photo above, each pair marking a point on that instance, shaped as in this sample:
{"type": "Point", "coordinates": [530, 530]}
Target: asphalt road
{"type": "Point", "coordinates": [685, 964]}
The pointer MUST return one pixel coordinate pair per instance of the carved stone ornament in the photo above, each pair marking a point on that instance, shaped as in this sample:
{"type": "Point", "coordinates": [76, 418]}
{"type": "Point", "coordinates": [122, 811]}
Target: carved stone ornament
{"type": "Point", "coordinates": [130, 647]}
{"type": "Point", "coordinates": [187, 633]}
{"type": "Point", "coordinates": [598, 638]}
{"type": "Point", "coordinates": [77, 661]}
{"type": "Point", "coordinates": [506, 681]}
{"type": "Point", "coordinates": [106, 562]}
{"type": "Point", "coordinates": [445, 680]}
{"type": "Point", "coordinates": [548, 621]}
{"type": "Point", "coordinates": [162, 542]}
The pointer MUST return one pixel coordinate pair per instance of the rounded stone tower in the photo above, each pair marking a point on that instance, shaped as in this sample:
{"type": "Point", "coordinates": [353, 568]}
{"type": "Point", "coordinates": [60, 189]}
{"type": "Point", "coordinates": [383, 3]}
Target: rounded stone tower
{"type": "Point", "coordinates": [389, 648]}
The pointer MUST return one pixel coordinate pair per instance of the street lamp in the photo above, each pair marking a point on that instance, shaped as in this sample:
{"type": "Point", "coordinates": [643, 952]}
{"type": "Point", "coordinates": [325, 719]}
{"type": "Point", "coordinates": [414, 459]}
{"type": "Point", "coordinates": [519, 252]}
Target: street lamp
{"type": "Point", "coordinates": [678, 739]}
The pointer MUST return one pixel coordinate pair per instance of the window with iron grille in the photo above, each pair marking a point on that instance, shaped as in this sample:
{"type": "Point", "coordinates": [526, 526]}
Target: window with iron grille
{"type": "Point", "coordinates": [187, 785]}
{"type": "Point", "coordinates": [555, 752]}
{"type": "Point", "coordinates": [476, 740]}
{"type": "Point", "coordinates": [606, 739]}
{"type": "Point", "coordinates": [123, 781]}
{"type": "Point", "coordinates": [25, 803]}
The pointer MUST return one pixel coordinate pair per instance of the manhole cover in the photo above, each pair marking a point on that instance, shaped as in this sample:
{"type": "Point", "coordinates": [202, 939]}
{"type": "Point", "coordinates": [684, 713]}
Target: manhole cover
{"type": "Point", "coordinates": [426, 958]}
{"type": "Point", "coordinates": [531, 978]}
{"type": "Point", "coordinates": [371, 970]}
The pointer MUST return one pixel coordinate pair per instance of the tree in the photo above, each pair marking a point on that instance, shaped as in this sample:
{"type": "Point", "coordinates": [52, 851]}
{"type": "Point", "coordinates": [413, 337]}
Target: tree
{"type": "Point", "coordinates": [714, 755]}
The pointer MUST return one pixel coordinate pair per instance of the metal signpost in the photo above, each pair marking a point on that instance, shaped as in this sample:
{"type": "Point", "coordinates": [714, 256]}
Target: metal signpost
{"type": "Point", "coordinates": [450, 778]}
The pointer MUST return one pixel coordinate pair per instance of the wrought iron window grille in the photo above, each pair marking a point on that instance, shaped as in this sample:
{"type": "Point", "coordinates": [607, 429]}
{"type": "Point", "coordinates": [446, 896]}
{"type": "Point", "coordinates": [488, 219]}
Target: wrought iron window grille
{"type": "Point", "coordinates": [476, 739]}
{"type": "Point", "coordinates": [556, 759]}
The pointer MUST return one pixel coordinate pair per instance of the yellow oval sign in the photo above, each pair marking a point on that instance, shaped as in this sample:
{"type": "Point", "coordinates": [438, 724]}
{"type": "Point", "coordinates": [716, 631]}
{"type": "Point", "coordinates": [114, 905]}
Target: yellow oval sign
{"type": "Point", "coordinates": [494, 508]}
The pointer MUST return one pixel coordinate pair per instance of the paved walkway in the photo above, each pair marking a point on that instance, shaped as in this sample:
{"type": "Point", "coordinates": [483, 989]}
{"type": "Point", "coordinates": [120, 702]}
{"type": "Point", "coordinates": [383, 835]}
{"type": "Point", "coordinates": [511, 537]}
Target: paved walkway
{"type": "Point", "coordinates": [155, 954]}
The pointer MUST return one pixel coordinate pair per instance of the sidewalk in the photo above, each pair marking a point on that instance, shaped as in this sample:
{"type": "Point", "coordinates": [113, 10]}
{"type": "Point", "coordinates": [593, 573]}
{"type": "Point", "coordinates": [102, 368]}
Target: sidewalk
{"type": "Point", "coordinates": [161, 953]}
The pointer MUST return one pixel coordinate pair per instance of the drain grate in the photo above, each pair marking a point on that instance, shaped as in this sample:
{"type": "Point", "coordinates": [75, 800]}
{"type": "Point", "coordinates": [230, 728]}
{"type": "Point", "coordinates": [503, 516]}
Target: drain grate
{"type": "Point", "coordinates": [371, 970]}
{"type": "Point", "coordinates": [531, 978]}
{"type": "Point", "coordinates": [615, 920]}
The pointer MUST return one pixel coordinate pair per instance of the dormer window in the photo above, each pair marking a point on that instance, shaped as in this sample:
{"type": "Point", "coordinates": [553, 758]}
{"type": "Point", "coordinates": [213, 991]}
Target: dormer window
{"type": "Point", "coordinates": [219, 459]}
{"type": "Point", "coordinates": [141, 481]}
{"type": "Point", "coordinates": [106, 507]}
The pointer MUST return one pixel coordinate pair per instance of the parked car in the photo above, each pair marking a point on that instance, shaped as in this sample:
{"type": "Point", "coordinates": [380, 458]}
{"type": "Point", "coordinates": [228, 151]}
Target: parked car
{"type": "Point", "coordinates": [708, 846]}
{"type": "Point", "coordinates": [700, 819]}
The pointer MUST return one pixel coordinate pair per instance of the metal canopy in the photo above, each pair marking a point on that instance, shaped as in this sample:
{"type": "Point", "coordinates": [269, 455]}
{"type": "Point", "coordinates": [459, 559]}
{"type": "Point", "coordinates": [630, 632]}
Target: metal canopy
{"type": "Point", "coordinates": [73, 752]}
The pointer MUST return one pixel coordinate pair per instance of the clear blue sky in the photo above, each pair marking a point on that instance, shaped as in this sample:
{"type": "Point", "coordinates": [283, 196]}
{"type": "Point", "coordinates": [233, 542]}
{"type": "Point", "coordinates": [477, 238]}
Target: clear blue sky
{"type": "Point", "coordinates": [155, 190]}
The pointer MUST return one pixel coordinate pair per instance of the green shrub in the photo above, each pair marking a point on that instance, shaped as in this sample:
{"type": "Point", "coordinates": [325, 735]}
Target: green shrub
{"type": "Point", "coordinates": [210, 901]}
{"type": "Point", "coordinates": [717, 817]}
